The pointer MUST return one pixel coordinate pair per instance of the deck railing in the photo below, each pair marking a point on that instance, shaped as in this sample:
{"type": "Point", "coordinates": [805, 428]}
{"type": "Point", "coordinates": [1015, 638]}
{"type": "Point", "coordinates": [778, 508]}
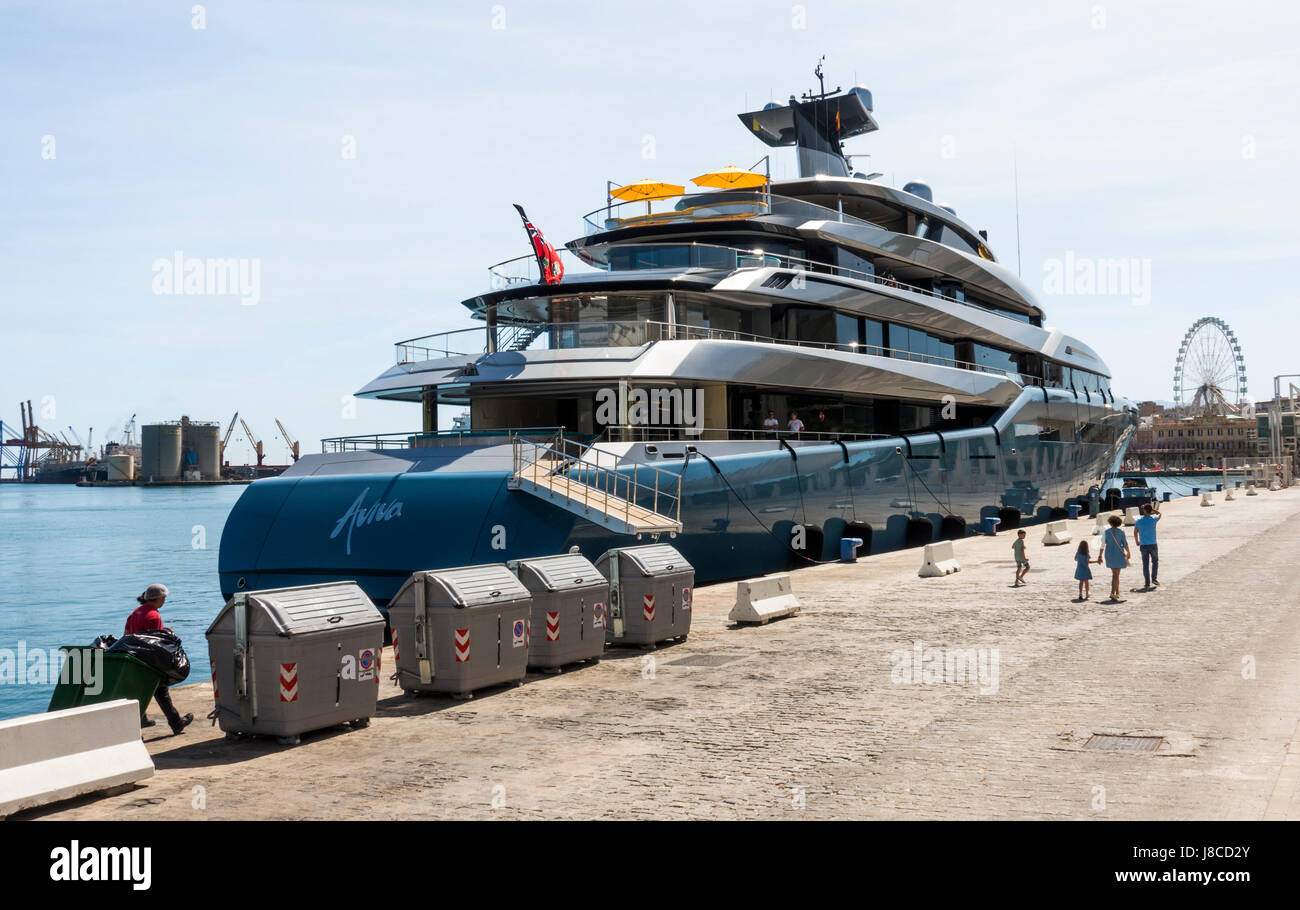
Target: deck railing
{"type": "Point", "coordinates": [634, 333]}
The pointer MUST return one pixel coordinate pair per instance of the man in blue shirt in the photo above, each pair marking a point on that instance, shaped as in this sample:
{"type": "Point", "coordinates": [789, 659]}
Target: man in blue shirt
{"type": "Point", "coordinates": [1145, 528]}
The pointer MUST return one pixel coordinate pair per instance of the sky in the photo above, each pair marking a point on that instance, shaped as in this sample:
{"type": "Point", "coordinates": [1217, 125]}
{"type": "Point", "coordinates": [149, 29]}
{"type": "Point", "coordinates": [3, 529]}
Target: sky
{"type": "Point", "coordinates": [363, 159]}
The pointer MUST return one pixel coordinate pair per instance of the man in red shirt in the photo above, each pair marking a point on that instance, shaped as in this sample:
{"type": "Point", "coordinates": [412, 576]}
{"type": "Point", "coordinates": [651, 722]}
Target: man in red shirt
{"type": "Point", "coordinates": [143, 619]}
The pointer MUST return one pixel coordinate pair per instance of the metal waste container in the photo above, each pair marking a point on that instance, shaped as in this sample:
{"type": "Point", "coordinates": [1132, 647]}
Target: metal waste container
{"type": "Point", "coordinates": [457, 630]}
{"type": "Point", "coordinates": [649, 594]}
{"type": "Point", "coordinates": [289, 660]}
{"type": "Point", "coordinates": [568, 612]}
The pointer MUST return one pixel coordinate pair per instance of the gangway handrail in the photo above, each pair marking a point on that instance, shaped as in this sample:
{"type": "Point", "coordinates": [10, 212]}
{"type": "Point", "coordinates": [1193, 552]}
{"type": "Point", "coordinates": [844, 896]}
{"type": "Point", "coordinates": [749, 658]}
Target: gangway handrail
{"type": "Point", "coordinates": [664, 494]}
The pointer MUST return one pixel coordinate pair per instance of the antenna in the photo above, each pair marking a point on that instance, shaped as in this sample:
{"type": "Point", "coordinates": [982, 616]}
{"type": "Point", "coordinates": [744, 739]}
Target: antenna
{"type": "Point", "coordinates": [1015, 172]}
{"type": "Point", "coordinates": [821, 82]}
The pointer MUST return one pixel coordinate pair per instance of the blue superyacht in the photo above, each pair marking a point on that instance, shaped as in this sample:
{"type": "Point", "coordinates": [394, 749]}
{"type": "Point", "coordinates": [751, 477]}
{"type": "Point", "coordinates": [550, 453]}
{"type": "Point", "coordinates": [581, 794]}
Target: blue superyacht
{"type": "Point", "coordinates": [753, 371]}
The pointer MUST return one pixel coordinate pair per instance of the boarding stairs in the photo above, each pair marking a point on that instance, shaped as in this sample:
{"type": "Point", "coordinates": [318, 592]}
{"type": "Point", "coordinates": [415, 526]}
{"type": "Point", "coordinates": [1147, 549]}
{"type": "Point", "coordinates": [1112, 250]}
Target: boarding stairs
{"type": "Point", "coordinates": [517, 338]}
{"type": "Point", "coordinates": [638, 499]}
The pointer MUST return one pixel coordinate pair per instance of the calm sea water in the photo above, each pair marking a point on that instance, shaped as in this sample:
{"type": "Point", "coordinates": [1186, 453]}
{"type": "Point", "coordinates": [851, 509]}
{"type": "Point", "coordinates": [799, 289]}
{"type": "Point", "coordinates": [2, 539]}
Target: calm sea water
{"type": "Point", "coordinates": [73, 559]}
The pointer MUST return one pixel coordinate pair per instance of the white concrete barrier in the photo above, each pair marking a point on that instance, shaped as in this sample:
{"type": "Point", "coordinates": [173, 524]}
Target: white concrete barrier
{"type": "Point", "coordinates": [1250, 490]}
{"type": "Point", "coordinates": [1129, 518]}
{"type": "Point", "coordinates": [1058, 532]}
{"type": "Point", "coordinates": [1207, 499]}
{"type": "Point", "coordinates": [1101, 523]}
{"type": "Point", "coordinates": [48, 757]}
{"type": "Point", "coordinates": [939, 560]}
{"type": "Point", "coordinates": [1274, 485]}
{"type": "Point", "coordinates": [761, 600]}
{"type": "Point", "coordinates": [1229, 496]}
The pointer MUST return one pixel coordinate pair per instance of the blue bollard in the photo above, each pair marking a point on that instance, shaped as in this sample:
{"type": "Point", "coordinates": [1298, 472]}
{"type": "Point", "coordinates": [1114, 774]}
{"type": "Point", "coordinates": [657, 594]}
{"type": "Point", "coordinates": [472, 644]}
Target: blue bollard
{"type": "Point", "coordinates": [1074, 508]}
{"type": "Point", "coordinates": [1218, 488]}
{"type": "Point", "coordinates": [991, 526]}
{"type": "Point", "coordinates": [849, 548]}
{"type": "Point", "coordinates": [1196, 491]}
{"type": "Point", "coordinates": [1166, 496]}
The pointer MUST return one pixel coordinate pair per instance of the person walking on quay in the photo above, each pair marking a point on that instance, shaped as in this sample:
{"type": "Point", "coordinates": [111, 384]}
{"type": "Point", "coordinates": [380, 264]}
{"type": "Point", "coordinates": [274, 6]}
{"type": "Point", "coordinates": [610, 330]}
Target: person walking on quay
{"type": "Point", "coordinates": [1144, 529]}
{"type": "Point", "coordinates": [1022, 561]}
{"type": "Point", "coordinates": [1082, 571]}
{"type": "Point", "coordinates": [1116, 554]}
{"type": "Point", "coordinates": [144, 619]}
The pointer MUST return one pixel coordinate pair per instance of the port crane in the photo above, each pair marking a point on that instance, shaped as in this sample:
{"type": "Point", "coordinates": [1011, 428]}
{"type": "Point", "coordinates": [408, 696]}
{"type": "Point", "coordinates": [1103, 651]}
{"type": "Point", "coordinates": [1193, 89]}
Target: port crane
{"type": "Point", "coordinates": [293, 443]}
{"type": "Point", "coordinates": [226, 440]}
{"type": "Point", "coordinates": [252, 440]}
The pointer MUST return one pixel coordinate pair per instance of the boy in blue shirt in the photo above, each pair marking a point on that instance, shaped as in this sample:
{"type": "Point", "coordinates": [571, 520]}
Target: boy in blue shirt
{"type": "Point", "coordinates": [1145, 529]}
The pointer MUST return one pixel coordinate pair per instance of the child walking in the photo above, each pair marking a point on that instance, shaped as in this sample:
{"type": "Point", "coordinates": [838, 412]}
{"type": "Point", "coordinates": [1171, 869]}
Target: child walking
{"type": "Point", "coordinates": [1022, 561]}
{"type": "Point", "coordinates": [1082, 572]}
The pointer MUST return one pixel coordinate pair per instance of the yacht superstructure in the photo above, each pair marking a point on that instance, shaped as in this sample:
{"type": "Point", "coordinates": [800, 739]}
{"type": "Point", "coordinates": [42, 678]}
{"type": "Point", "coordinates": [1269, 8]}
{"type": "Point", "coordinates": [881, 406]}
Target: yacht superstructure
{"type": "Point", "coordinates": [757, 371]}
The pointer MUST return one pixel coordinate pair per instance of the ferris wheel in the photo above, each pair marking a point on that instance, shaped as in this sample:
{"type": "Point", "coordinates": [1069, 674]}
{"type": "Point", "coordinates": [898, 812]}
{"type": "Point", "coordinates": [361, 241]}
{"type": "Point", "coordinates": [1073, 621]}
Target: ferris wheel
{"type": "Point", "coordinates": [1210, 373]}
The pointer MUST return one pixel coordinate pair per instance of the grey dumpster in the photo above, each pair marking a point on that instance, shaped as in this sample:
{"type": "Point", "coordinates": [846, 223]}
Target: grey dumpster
{"type": "Point", "coordinates": [289, 660]}
{"type": "Point", "coordinates": [457, 630]}
{"type": "Point", "coordinates": [569, 597]}
{"type": "Point", "coordinates": [650, 594]}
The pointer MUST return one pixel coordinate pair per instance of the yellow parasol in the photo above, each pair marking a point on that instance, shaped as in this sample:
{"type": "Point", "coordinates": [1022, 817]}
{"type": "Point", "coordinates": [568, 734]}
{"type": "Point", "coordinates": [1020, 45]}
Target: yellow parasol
{"type": "Point", "coordinates": [730, 177]}
{"type": "Point", "coordinates": [646, 188]}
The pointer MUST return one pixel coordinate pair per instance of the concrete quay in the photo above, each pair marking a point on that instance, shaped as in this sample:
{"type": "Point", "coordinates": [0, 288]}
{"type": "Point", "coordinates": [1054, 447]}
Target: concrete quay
{"type": "Point", "coordinates": [829, 714]}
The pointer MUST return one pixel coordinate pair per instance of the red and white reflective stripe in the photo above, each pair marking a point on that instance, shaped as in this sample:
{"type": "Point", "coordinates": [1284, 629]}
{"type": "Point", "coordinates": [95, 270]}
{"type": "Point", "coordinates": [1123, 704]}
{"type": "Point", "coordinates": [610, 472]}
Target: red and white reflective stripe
{"type": "Point", "coordinates": [289, 682]}
{"type": "Point", "coordinates": [397, 652]}
{"type": "Point", "coordinates": [528, 633]}
{"type": "Point", "coordinates": [552, 626]}
{"type": "Point", "coordinates": [215, 693]}
{"type": "Point", "coordinates": [379, 660]}
{"type": "Point", "coordinates": [462, 646]}
{"type": "Point", "coordinates": [648, 608]}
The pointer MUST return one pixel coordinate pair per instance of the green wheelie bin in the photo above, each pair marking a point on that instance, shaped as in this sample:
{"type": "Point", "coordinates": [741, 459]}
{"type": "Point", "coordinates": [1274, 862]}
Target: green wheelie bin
{"type": "Point", "coordinates": [124, 676]}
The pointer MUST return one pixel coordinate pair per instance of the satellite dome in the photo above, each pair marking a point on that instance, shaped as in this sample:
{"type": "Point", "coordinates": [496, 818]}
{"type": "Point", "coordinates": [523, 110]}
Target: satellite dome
{"type": "Point", "coordinates": [864, 93]}
{"type": "Point", "coordinates": [771, 106]}
{"type": "Point", "coordinates": [917, 188]}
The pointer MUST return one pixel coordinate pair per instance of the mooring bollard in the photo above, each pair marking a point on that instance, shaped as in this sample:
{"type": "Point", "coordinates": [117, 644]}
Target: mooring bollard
{"type": "Point", "coordinates": [1167, 495]}
{"type": "Point", "coordinates": [849, 548]}
{"type": "Point", "coordinates": [991, 526]}
{"type": "Point", "coordinates": [1074, 509]}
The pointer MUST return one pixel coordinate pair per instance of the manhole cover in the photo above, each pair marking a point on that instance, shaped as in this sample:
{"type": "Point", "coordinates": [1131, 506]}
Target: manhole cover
{"type": "Point", "coordinates": [705, 660]}
{"type": "Point", "coordinates": [1110, 743]}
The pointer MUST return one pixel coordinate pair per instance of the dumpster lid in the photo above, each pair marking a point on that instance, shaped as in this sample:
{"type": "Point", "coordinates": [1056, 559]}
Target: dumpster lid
{"type": "Point", "coordinates": [655, 559]}
{"type": "Point", "coordinates": [310, 608]}
{"type": "Point", "coordinates": [471, 586]}
{"type": "Point", "coordinates": [564, 572]}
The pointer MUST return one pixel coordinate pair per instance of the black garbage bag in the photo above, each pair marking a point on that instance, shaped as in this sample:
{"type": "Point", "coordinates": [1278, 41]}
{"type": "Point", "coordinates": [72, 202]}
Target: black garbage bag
{"type": "Point", "coordinates": [161, 649]}
{"type": "Point", "coordinates": [104, 642]}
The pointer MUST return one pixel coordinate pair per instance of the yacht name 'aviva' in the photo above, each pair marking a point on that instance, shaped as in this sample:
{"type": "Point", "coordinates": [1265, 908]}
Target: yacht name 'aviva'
{"type": "Point", "coordinates": [757, 369]}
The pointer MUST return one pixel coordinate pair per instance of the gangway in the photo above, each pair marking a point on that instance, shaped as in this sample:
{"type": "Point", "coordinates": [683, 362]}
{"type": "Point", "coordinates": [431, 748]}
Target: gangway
{"type": "Point", "coordinates": [641, 500]}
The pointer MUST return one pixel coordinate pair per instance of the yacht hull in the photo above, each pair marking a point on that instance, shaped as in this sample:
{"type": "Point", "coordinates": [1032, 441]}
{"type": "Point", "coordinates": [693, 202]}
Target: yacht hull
{"type": "Point", "coordinates": [745, 507]}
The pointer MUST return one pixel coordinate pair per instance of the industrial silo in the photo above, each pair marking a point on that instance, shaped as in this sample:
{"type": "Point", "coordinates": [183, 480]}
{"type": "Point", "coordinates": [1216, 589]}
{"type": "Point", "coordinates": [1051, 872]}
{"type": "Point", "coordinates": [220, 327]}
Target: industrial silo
{"type": "Point", "coordinates": [160, 455]}
{"type": "Point", "coordinates": [207, 448]}
{"type": "Point", "coordinates": [121, 467]}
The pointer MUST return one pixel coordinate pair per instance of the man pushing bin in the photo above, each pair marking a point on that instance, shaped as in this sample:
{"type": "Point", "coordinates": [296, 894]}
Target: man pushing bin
{"type": "Point", "coordinates": [146, 618]}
